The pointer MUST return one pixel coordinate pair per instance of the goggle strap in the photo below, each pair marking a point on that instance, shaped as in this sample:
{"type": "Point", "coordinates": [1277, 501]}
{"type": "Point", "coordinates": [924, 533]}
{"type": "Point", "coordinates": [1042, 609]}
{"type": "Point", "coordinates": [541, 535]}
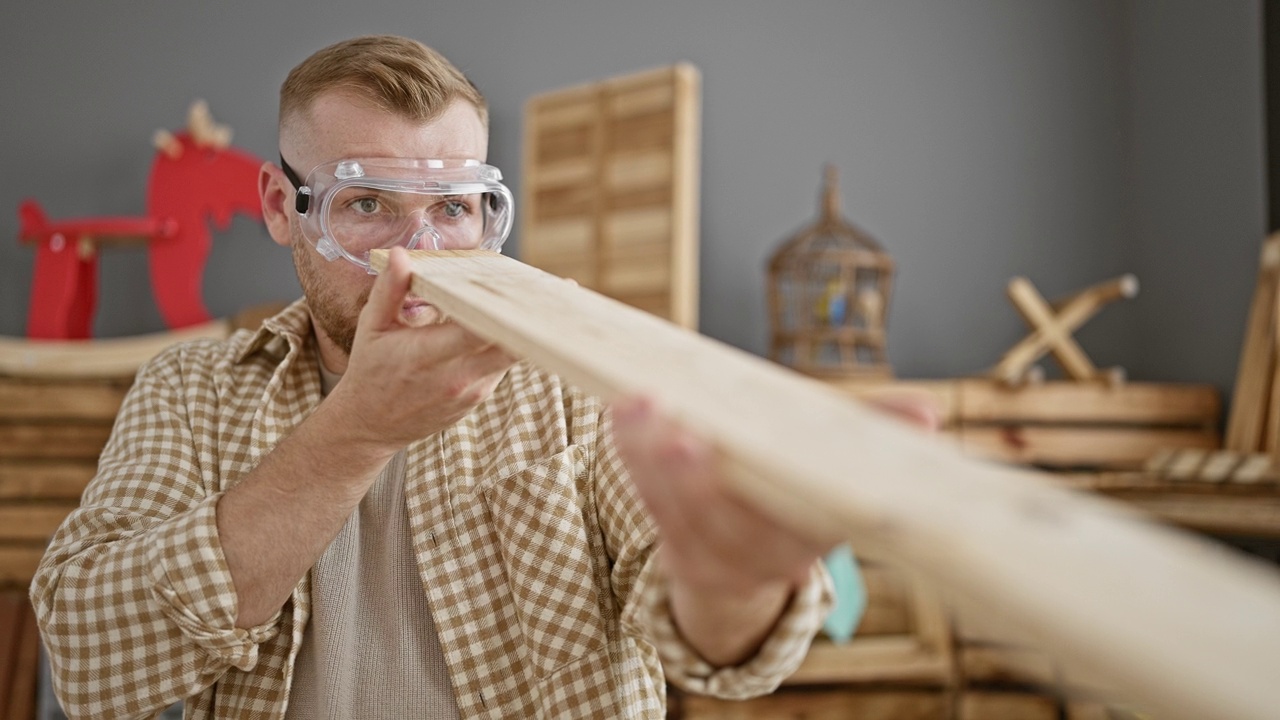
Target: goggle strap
{"type": "Point", "coordinates": [303, 199]}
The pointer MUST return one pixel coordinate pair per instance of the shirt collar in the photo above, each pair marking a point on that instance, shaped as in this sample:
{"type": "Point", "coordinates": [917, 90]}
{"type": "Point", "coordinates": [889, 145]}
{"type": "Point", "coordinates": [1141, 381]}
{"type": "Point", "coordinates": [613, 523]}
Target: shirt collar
{"type": "Point", "coordinates": [288, 328]}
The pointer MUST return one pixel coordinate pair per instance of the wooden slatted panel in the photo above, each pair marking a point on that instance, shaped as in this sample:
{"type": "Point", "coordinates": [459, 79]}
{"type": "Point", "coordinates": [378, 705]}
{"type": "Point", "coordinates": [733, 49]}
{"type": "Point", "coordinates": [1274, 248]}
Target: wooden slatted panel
{"type": "Point", "coordinates": [57, 442]}
{"type": "Point", "coordinates": [58, 401]}
{"type": "Point", "coordinates": [610, 188]}
{"type": "Point", "coordinates": [46, 400]}
{"type": "Point", "coordinates": [43, 479]}
{"type": "Point", "coordinates": [32, 523]}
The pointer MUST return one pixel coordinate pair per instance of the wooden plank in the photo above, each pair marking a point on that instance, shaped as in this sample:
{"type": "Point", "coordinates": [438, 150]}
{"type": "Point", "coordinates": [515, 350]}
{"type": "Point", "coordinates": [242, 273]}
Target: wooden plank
{"type": "Point", "coordinates": [1257, 357]}
{"type": "Point", "coordinates": [979, 705]}
{"type": "Point", "coordinates": [1255, 469]}
{"type": "Point", "coordinates": [12, 606]}
{"type": "Point", "coordinates": [1271, 403]}
{"type": "Point", "coordinates": [654, 303]}
{"type": "Point", "coordinates": [642, 100]}
{"type": "Point", "coordinates": [639, 80]}
{"type": "Point", "coordinates": [649, 228]}
{"type": "Point", "coordinates": [22, 682]}
{"type": "Point", "coordinates": [22, 399]}
{"type": "Point", "coordinates": [26, 522]}
{"type": "Point", "coordinates": [109, 358]}
{"type": "Point", "coordinates": [1057, 565]}
{"type": "Point", "coordinates": [560, 145]}
{"type": "Point", "coordinates": [1186, 464]}
{"type": "Point", "coordinates": [1242, 515]}
{"type": "Point", "coordinates": [971, 401]}
{"type": "Point", "coordinates": [18, 564]}
{"type": "Point", "coordinates": [575, 171]}
{"type": "Point", "coordinates": [888, 611]}
{"type": "Point", "coordinates": [1219, 466]}
{"type": "Point", "coordinates": [562, 203]}
{"type": "Point", "coordinates": [640, 134]}
{"type": "Point", "coordinates": [685, 192]}
{"type": "Point", "coordinates": [1086, 710]}
{"type": "Point", "coordinates": [624, 173]}
{"type": "Point", "coordinates": [576, 269]}
{"type": "Point", "coordinates": [898, 658]}
{"type": "Point", "coordinates": [943, 395]}
{"type": "Point", "coordinates": [997, 664]}
{"type": "Point", "coordinates": [574, 112]}
{"type": "Point", "coordinates": [618, 279]}
{"type": "Point", "coordinates": [985, 401]}
{"type": "Point", "coordinates": [1115, 448]}
{"type": "Point", "coordinates": [571, 237]}
{"type": "Point", "coordinates": [56, 442]}
{"type": "Point", "coordinates": [818, 705]}
{"type": "Point", "coordinates": [43, 479]}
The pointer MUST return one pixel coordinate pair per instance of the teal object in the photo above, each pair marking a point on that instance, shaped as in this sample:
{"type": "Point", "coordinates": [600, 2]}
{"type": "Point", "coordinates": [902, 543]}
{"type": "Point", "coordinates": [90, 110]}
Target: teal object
{"type": "Point", "coordinates": [851, 594]}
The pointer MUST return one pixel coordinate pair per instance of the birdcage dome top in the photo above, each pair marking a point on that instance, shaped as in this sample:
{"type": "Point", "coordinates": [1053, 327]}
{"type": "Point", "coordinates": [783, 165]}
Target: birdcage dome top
{"type": "Point", "coordinates": [830, 238]}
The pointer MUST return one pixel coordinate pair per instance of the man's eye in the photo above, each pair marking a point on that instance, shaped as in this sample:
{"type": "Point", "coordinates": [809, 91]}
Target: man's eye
{"type": "Point", "coordinates": [366, 205]}
{"type": "Point", "coordinates": [455, 209]}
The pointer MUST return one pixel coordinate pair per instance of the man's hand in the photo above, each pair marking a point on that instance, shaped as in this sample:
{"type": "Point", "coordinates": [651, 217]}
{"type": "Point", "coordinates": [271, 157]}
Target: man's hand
{"type": "Point", "coordinates": [731, 568]}
{"type": "Point", "coordinates": [405, 379]}
{"type": "Point", "coordinates": [402, 383]}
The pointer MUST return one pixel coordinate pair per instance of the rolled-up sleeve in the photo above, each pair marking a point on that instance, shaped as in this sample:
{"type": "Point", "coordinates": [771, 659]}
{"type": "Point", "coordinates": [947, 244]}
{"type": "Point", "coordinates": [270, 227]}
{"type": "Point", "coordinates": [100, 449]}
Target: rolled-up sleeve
{"type": "Point", "coordinates": [134, 598]}
{"type": "Point", "coordinates": [778, 657]}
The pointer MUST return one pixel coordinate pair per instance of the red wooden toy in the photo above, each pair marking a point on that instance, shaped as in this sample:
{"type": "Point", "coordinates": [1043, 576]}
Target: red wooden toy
{"type": "Point", "coordinates": [197, 176]}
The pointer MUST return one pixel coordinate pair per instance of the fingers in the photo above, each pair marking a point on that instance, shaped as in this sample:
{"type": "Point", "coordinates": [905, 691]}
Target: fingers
{"type": "Point", "coordinates": [710, 538]}
{"type": "Point", "coordinates": [389, 290]}
{"type": "Point", "coordinates": [919, 409]}
{"type": "Point", "coordinates": [652, 456]}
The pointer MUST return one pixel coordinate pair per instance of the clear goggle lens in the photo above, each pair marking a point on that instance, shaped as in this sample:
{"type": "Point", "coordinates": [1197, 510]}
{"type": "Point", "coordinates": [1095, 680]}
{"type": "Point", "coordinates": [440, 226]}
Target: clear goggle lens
{"type": "Point", "coordinates": [407, 203]}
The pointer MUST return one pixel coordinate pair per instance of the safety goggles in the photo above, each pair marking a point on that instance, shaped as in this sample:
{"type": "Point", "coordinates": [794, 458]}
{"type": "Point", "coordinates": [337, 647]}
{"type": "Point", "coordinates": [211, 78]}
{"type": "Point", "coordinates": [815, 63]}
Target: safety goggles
{"type": "Point", "coordinates": [350, 207]}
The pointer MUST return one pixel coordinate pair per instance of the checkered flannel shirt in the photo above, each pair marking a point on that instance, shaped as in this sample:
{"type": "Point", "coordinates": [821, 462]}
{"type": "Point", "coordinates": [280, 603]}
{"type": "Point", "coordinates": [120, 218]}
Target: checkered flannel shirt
{"type": "Point", "coordinates": [535, 553]}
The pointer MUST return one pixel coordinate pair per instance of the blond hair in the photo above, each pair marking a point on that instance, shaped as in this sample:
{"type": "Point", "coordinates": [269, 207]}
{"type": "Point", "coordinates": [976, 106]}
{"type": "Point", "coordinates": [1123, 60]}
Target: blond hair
{"type": "Point", "coordinates": [397, 74]}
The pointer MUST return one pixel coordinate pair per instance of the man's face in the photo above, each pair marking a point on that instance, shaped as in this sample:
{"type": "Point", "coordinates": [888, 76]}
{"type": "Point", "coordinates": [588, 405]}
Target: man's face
{"type": "Point", "coordinates": [341, 125]}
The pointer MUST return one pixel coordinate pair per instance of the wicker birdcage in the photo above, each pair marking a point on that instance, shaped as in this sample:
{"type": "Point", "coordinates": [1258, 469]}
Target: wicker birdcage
{"type": "Point", "coordinates": [829, 289]}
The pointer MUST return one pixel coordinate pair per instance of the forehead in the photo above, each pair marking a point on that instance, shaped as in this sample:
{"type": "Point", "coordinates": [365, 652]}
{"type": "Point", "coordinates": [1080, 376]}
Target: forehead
{"type": "Point", "coordinates": [342, 125]}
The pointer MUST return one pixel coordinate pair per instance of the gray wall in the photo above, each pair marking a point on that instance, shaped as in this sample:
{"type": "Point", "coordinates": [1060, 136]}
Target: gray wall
{"type": "Point", "coordinates": [1065, 140]}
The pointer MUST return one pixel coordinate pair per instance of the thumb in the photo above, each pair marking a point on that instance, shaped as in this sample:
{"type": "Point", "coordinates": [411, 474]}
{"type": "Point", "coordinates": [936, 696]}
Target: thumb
{"type": "Point", "coordinates": [389, 290]}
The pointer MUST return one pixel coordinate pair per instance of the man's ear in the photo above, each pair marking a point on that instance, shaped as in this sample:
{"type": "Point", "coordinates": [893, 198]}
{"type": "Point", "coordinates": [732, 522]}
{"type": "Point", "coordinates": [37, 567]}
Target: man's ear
{"type": "Point", "coordinates": [276, 193]}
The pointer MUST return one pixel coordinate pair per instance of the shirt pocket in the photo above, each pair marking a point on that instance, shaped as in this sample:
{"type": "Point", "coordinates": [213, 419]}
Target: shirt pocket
{"type": "Point", "coordinates": [543, 540]}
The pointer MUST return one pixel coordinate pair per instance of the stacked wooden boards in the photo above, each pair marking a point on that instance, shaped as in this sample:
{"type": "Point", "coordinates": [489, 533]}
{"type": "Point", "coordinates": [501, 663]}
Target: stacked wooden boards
{"type": "Point", "coordinates": [1107, 592]}
{"type": "Point", "coordinates": [51, 432]}
{"type": "Point", "coordinates": [1066, 426]}
{"type": "Point", "coordinates": [58, 402]}
{"type": "Point", "coordinates": [610, 188]}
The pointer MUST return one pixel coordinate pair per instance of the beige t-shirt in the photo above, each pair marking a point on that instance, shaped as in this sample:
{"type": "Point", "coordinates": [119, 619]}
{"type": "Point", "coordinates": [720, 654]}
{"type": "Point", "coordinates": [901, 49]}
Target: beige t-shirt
{"type": "Point", "coordinates": [370, 649]}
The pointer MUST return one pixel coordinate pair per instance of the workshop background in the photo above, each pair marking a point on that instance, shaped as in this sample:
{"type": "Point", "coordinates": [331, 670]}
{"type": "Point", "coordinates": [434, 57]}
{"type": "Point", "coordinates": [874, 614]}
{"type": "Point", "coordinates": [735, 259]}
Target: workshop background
{"type": "Point", "coordinates": [1069, 141]}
